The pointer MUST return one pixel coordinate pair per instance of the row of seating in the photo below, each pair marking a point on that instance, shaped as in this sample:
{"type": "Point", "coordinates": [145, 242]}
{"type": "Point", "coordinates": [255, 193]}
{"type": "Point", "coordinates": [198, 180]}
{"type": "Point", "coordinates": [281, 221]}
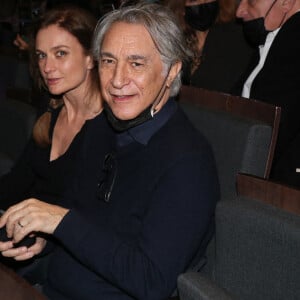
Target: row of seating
{"type": "Point", "coordinates": [255, 253]}
{"type": "Point", "coordinates": [256, 250]}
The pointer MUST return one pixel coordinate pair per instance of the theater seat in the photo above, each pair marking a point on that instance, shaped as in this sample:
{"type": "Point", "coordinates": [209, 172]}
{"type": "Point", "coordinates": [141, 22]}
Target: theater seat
{"type": "Point", "coordinates": [242, 132]}
{"type": "Point", "coordinates": [257, 255]}
{"type": "Point", "coordinates": [16, 123]}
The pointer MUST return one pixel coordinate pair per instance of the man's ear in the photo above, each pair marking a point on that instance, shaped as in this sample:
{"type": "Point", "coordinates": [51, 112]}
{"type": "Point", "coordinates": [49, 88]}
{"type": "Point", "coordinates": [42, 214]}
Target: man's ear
{"type": "Point", "coordinates": [175, 69]}
{"type": "Point", "coordinates": [287, 5]}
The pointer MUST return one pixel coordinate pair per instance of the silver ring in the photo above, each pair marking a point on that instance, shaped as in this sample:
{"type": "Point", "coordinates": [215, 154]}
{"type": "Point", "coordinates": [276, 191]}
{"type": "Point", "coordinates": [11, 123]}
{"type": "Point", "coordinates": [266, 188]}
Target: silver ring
{"type": "Point", "coordinates": [19, 223]}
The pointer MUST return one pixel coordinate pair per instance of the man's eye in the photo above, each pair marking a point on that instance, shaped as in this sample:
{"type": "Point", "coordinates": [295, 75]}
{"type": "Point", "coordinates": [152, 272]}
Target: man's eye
{"type": "Point", "coordinates": [136, 64]}
{"type": "Point", "coordinates": [106, 61]}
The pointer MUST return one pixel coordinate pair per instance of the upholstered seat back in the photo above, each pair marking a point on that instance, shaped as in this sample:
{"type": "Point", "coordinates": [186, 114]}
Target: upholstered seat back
{"type": "Point", "coordinates": [16, 123]}
{"type": "Point", "coordinates": [239, 144]}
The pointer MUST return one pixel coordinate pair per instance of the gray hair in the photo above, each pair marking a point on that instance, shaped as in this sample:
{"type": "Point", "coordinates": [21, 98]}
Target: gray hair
{"type": "Point", "coordinates": [162, 26]}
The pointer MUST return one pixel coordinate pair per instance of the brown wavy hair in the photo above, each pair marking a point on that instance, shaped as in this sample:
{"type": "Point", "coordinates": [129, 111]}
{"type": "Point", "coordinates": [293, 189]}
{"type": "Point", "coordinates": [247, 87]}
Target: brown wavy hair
{"type": "Point", "coordinates": [78, 22]}
{"type": "Point", "coordinates": [227, 9]}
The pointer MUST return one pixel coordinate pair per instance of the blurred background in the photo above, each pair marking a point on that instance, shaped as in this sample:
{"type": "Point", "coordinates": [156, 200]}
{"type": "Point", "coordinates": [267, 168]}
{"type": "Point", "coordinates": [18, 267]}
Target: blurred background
{"type": "Point", "coordinates": [17, 17]}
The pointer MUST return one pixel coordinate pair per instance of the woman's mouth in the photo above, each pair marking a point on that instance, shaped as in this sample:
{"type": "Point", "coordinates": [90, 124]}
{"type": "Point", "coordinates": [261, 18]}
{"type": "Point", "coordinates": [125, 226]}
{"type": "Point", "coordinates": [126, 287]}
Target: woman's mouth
{"type": "Point", "coordinates": [52, 81]}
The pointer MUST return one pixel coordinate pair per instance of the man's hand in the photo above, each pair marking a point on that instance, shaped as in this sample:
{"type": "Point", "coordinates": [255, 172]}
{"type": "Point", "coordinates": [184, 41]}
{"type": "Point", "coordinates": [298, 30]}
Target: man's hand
{"type": "Point", "coordinates": [29, 216]}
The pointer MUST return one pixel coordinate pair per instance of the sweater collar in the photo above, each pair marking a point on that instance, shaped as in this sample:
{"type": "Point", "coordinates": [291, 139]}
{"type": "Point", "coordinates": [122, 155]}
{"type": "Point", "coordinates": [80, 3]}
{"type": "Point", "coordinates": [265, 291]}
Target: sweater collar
{"type": "Point", "coordinates": [143, 132]}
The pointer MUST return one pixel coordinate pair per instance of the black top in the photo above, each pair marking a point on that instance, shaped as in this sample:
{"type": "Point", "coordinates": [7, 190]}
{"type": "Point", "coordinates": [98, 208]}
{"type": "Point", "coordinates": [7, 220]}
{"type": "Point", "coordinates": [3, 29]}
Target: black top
{"type": "Point", "coordinates": [36, 176]}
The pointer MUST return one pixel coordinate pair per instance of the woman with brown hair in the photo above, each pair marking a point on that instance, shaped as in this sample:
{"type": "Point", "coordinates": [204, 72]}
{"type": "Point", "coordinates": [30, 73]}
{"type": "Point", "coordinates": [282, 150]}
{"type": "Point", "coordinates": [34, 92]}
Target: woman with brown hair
{"type": "Point", "coordinates": [220, 52]}
{"type": "Point", "coordinates": [62, 64]}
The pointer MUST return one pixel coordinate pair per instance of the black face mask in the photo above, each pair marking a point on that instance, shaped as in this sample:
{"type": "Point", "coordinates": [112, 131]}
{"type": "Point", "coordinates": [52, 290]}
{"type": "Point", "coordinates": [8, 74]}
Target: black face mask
{"type": "Point", "coordinates": [255, 31]}
{"type": "Point", "coordinates": [201, 17]}
{"type": "Point", "coordinates": [122, 125]}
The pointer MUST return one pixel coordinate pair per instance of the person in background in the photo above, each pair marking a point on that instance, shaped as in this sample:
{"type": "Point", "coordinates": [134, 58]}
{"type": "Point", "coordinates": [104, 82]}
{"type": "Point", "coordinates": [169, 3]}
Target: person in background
{"type": "Point", "coordinates": [8, 14]}
{"type": "Point", "coordinates": [152, 211]}
{"type": "Point", "coordinates": [37, 9]}
{"type": "Point", "coordinates": [220, 51]}
{"type": "Point", "coordinates": [273, 76]}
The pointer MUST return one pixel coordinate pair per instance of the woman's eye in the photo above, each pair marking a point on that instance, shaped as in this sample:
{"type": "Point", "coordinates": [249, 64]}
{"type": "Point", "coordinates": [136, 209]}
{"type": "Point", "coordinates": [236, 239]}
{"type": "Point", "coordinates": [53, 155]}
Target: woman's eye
{"type": "Point", "coordinates": [61, 53]}
{"type": "Point", "coordinates": [40, 55]}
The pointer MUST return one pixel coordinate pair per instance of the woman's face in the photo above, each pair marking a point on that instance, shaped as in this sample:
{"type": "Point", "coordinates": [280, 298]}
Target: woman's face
{"type": "Point", "coordinates": [62, 62]}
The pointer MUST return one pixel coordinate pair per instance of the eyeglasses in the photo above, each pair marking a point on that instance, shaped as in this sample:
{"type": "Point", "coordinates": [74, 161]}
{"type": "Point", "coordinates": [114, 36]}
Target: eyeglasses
{"type": "Point", "coordinates": [106, 185]}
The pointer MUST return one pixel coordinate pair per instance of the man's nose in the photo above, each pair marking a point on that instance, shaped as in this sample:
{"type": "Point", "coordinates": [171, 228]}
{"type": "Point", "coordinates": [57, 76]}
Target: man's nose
{"type": "Point", "coordinates": [120, 76]}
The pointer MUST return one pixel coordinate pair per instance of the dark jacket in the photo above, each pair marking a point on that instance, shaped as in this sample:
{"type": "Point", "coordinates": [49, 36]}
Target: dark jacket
{"type": "Point", "coordinates": [225, 57]}
{"type": "Point", "coordinates": [279, 83]}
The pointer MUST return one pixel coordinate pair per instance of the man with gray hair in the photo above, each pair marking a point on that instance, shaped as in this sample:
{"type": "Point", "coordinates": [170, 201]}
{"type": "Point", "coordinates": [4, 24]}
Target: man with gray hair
{"type": "Point", "coordinates": [130, 235]}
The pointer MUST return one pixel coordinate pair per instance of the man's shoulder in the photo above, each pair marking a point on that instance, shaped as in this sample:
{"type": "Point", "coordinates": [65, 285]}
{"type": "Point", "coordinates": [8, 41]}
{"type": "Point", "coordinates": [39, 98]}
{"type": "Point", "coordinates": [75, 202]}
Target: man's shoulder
{"type": "Point", "coordinates": [179, 135]}
{"type": "Point", "coordinates": [290, 29]}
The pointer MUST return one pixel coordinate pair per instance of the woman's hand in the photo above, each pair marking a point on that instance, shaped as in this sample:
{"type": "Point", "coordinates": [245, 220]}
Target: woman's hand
{"type": "Point", "coordinates": [23, 253]}
{"type": "Point", "coordinates": [29, 216]}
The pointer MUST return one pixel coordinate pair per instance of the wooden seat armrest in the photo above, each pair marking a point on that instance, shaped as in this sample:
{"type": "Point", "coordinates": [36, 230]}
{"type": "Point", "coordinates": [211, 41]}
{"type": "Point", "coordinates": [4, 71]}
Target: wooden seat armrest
{"type": "Point", "coordinates": [274, 193]}
{"type": "Point", "coordinates": [12, 286]}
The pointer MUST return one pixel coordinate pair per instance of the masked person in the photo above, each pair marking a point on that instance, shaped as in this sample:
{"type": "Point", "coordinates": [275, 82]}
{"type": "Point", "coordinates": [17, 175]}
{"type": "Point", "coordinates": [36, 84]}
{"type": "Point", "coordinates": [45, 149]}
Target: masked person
{"type": "Point", "coordinates": [273, 76]}
{"type": "Point", "coordinates": [220, 51]}
{"type": "Point", "coordinates": [133, 233]}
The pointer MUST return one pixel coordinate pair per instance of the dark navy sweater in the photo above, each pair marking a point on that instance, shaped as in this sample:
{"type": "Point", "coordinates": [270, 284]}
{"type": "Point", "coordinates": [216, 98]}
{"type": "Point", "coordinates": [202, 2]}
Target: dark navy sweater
{"type": "Point", "coordinates": [134, 246]}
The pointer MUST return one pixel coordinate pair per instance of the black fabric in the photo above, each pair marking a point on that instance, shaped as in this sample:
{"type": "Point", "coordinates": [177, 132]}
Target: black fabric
{"type": "Point", "coordinates": [35, 176]}
{"type": "Point", "coordinates": [16, 122]}
{"type": "Point", "coordinates": [226, 55]}
{"type": "Point", "coordinates": [278, 83]}
{"type": "Point", "coordinates": [157, 217]}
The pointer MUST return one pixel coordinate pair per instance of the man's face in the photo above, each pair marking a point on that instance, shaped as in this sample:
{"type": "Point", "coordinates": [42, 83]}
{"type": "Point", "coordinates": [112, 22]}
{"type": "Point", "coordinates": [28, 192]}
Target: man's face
{"type": "Point", "coordinates": [131, 71]}
{"type": "Point", "coordinates": [253, 9]}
